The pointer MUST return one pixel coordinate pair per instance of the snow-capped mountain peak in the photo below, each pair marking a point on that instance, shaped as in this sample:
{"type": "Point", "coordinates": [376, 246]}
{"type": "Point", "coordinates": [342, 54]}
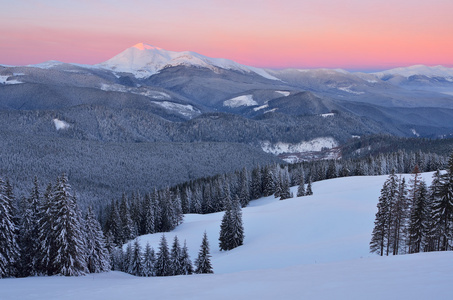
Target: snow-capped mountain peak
{"type": "Point", "coordinates": [142, 46]}
{"type": "Point", "coordinates": [144, 60]}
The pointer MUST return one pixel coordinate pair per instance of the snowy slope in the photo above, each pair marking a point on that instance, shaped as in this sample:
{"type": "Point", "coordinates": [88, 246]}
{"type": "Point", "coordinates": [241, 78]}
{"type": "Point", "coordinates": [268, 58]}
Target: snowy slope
{"type": "Point", "coordinates": [144, 60]}
{"type": "Point", "coordinates": [314, 247]}
{"type": "Point", "coordinates": [436, 71]}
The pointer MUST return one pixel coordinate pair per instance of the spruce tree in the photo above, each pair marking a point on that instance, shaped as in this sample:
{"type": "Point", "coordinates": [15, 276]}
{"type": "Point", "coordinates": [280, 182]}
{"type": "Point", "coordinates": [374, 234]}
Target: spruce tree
{"type": "Point", "coordinates": [399, 205]}
{"type": "Point", "coordinates": [418, 219]}
{"type": "Point", "coordinates": [197, 201]}
{"type": "Point", "coordinates": [301, 188]}
{"type": "Point", "coordinates": [237, 225]}
{"type": "Point", "coordinates": [432, 230]}
{"type": "Point", "coordinates": [136, 263]}
{"type": "Point", "coordinates": [68, 255]}
{"type": "Point", "coordinates": [175, 258]}
{"type": "Point", "coordinates": [162, 266]}
{"type": "Point", "coordinates": [97, 255]}
{"type": "Point", "coordinates": [244, 192]}
{"type": "Point", "coordinates": [127, 258]}
{"type": "Point", "coordinates": [148, 261]}
{"type": "Point", "coordinates": [309, 191]}
{"type": "Point", "coordinates": [378, 236]}
{"type": "Point", "coordinates": [28, 239]}
{"type": "Point", "coordinates": [9, 248]}
{"type": "Point", "coordinates": [149, 220]}
{"type": "Point", "coordinates": [231, 228]}
{"type": "Point", "coordinates": [128, 228]}
{"type": "Point", "coordinates": [256, 185]}
{"type": "Point", "coordinates": [443, 208]}
{"type": "Point", "coordinates": [225, 236]}
{"type": "Point", "coordinates": [203, 261]}
{"type": "Point", "coordinates": [185, 262]}
{"type": "Point", "coordinates": [285, 183]}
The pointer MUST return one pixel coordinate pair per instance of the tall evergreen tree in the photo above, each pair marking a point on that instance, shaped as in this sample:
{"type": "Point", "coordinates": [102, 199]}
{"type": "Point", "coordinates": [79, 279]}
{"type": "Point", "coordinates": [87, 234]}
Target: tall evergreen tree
{"type": "Point", "coordinates": [301, 188]}
{"type": "Point", "coordinates": [418, 219]}
{"type": "Point", "coordinates": [97, 255]}
{"type": "Point", "coordinates": [162, 266]}
{"type": "Point", "coordinates": [128, 255]}
{"type": "Point", "coordinates": [175, 258]}
{"type": "Point", "coordinates": [149, 260]}
{"type": "Point", "coordinates": [197, 201]}
{"type": "Point", "coordinates": [185, 262]}
{"type": "Point", "coordinates": [68, 238]}
{"type": "Point", "coordinates": [136, 263]}
{"type": "Point", "coordinates": [128, 228]}
{"type": "Point", "coordinates": [9, 248]}
{"type": "Point", "coordinates": [443, 208]}
{"type": "Point", "coordinates": [149, 220]}
{"type": "Point", "coordinates": [309, 190]}
{"type": "Point", "coordinates": [203, 262]}
{"type": "Point", "coordinates": [231, 228]}
{"type": "Point", "coordinates": [244, 192]}
{"type": "Point", "coordinates": [28, 239]}
{"type": "Point", "coordinates": [256, 185]}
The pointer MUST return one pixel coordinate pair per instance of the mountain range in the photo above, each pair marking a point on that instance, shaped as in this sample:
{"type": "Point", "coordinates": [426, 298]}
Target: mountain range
{"type": "Point", "coordinates": [150, 97]}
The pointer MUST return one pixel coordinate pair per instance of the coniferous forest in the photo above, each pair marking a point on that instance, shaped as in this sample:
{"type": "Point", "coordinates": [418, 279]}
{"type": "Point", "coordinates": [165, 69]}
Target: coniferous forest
{"type": "Point", "coordinates": [46, 232]}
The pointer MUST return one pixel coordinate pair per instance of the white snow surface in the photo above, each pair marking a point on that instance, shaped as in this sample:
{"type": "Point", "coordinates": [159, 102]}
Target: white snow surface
{"type": "Point", "coordinates": [4, 80]}
{"type": "Point", "coordinates": [313, 247]}
{"type": "Point", "coordinates": [59, 124]}
{"type": "Point", "coordinates": [414, 132]}
{"type": "Point", "coordinates": [186, 110]}
{"type": "Point", "coordinates": [144, 60]}
{"type": "Point", "coordinates": [243, 100]}
{"type": "Point", "coordinates": [261, 107]}
{"type": "Point", "coordinates": [284, 93]}
{"type": "Point", "coordinates": [305, 146]}
{"type": "Point", "coordinates": [435, 71]}
{"type": "Point", "coordinates": [347, 89]}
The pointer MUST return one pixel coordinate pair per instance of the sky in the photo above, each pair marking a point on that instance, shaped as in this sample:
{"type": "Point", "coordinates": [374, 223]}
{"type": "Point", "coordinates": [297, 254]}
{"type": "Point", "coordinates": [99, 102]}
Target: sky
{"type": "Point", "coordinates": [348, 34]}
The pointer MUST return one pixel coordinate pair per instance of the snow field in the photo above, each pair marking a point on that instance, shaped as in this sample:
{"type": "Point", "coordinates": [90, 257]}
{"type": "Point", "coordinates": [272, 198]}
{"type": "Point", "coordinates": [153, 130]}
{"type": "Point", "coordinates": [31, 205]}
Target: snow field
{"type": "Point", "coordinates": [313, 247]}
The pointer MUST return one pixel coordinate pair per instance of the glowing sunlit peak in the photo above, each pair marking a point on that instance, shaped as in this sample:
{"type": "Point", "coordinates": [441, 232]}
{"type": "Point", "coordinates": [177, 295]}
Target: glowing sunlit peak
{"type": "Point", "coordinates": [143, 46]}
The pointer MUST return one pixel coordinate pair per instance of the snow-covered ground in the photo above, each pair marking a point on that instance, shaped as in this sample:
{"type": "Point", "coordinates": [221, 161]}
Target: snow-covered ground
{"type": "Point", "coordinates": [243, 100]}
{"type": "Point", "coordinates": [314, 247]}
{"type": "Point", "coordinates": [316, 144]}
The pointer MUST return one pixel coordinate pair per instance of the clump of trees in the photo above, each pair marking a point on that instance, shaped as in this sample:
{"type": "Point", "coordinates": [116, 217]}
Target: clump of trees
{"type": "Point", "coordinates": [166, 262]}
{"type": "Point", "coordinates": [45, 234]}
{"type": "Point", "coordinates": [413, 217]}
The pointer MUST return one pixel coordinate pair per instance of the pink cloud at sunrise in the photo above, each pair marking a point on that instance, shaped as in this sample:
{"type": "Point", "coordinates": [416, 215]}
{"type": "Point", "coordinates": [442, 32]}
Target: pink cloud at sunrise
{"type": "Point", "coordinates": [349, 34]}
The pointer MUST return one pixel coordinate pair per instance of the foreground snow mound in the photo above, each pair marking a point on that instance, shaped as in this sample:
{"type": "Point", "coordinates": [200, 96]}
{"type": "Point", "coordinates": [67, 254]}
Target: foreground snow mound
{"type": "Point", "coordinates": [417, 276]}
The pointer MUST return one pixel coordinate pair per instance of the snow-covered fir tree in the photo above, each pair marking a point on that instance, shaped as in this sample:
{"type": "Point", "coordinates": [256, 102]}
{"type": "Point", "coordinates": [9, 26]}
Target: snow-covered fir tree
{"type": "Point", "coordinates": [185, 262]}
{"type": "Point", "coordinates": [98, 259]}
{"type": "Point", "coordinates": [9, 248]}
{"type": "Point", "coordinates": [175, 258]}
{"type": "Point", "coordinates": [301, 188]}
{"type": "Point", "coordinates": [162, 266]}
{"type": "Point", "coordinates": [136, 263]}
{"type": "Point", "coordinates": [203, 262]}
{"type": "Point", "coordinates": [231, 228]}
{"type": "Point", "coordinates": [418, 218]}
{"type": "Point", "coordinates": [309, 190]}
{"type": "Point", "coordinates": [28, 238]}
{"type": "Point", "coordinates": [65, 235]}
{"type": "Point", "coordinates": [149, 220]}
{"type": "Point", "coordinates": [149, 260]}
